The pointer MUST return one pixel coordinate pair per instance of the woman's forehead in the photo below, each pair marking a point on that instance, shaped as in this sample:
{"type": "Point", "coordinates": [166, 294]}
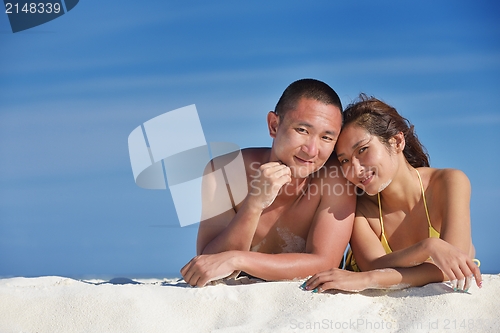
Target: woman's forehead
{"type": "Point", "coordinates": [351, 137]}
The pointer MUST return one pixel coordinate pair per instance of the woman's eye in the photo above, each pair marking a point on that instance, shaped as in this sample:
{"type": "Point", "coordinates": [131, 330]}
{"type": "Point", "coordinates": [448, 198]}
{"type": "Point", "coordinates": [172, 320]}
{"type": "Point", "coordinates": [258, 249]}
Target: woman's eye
{"type": "Point", "coordinates": [362, 149]}
{"type": "Point", "coordinates": [343, 161]}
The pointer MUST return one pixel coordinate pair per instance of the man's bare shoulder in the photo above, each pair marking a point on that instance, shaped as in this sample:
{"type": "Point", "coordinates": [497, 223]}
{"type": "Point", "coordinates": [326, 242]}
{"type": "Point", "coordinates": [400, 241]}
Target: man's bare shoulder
{"type": "Point", "coordinates": [250, 155]}
{"type": "Point", "coordinates": [256, 154]}
{"type": "Point", "coordinates": [367, 206]}
{"type": "Point", "coordinates": [252, 158]}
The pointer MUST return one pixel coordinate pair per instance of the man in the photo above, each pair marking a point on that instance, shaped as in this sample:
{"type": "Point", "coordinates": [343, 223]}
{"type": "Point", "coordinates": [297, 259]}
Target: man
{"type": "Point", "coordinates": [297, 217]}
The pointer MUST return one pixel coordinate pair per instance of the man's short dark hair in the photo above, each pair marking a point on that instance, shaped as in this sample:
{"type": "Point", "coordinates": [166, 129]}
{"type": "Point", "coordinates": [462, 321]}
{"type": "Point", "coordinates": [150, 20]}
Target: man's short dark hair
{"type": "Point", "coordinates": [308, 88]}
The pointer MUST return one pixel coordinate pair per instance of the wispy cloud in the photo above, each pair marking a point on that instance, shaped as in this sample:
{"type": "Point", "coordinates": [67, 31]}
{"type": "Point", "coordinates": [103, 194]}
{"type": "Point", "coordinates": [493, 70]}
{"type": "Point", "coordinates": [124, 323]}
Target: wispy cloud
{"type": "Point", "coordinates": [382, 67]}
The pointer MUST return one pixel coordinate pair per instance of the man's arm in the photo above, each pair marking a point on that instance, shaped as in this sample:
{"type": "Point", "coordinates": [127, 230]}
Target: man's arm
{"type": "Point", "coordinates": [326, 242]}
{"type": "Point", "coordinates": [231, 230]}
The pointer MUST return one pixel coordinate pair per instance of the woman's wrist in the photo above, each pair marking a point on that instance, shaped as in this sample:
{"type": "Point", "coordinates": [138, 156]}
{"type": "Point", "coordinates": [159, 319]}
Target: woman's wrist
{"type": "Point", "coordinates": [372, 279]}
{"type": "Point", "coordinates": [429, 247]}
{"type": "Point", "coordinates": [387, 278]}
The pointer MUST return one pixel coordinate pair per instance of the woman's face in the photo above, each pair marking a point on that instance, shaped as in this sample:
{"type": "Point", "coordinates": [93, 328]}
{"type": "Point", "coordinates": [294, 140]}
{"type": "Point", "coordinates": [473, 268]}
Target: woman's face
{"type": "Point", "coordinates": [365, 160]}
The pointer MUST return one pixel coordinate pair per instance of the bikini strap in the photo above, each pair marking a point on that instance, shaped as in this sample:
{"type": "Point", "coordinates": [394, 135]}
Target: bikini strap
{"type": "Point", "coordinates": [380, 214]}
{"type": "Point", "coordinates": [423, 197]}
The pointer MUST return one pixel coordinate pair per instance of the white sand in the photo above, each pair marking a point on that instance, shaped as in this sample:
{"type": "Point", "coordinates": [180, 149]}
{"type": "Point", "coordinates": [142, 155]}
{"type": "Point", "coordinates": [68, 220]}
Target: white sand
{"type": "Point", "coordinates": [57, 304]}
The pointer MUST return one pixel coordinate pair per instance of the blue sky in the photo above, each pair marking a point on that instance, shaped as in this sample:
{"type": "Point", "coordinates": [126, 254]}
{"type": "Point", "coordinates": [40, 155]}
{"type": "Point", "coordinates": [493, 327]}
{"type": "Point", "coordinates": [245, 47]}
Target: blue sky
{"type": "Point", "coordinates": [73, 89]}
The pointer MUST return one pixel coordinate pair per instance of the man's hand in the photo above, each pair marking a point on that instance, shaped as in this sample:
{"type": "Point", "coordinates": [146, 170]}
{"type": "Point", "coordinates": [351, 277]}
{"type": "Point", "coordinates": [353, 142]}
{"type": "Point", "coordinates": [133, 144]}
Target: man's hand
{"type": "Point", "coordinates": [205, 268]}
{"type": "Point", "coordinates": [267, 183]}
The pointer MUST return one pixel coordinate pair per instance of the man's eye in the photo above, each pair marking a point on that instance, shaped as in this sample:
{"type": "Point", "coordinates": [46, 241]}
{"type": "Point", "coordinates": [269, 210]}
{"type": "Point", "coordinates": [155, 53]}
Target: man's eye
{"type": "Point", "coordinates": [362, 149]}
{"type": "Point", "coordinates": [301, 130]}
{"type": "Point", "coordinates": [327, 138]}
{"type": "Point", "coordinates": [343, 161]}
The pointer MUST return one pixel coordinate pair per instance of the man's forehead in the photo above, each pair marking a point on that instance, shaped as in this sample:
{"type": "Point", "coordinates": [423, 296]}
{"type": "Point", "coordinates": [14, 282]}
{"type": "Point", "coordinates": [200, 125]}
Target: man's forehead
{"type": "Point", "coordinates": [308, 115]}
{"type": "Point", "coordinates": [310, 106]}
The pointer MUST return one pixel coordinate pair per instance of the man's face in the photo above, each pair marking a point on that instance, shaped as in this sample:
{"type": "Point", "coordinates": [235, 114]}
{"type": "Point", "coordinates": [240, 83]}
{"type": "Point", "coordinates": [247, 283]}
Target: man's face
{"type": "Point", "coordinates": [304, 139]}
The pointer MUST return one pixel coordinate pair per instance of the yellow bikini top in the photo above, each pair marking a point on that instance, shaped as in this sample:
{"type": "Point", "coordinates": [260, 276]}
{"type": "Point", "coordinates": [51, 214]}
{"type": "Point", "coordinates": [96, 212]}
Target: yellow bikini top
{"type": "Point", "coordinates": [432, 232]}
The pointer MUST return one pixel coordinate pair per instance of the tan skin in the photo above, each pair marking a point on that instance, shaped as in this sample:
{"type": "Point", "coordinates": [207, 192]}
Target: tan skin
{"type": "Point", "coordinates": [370, 164]}
{"type": "Point", "coordinates": [285, 227]}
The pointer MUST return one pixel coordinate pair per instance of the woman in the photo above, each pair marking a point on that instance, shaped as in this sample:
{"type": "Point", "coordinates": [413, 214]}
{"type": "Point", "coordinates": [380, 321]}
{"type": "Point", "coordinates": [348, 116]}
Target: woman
{"type": "Point", "coordinates": [412, 224]}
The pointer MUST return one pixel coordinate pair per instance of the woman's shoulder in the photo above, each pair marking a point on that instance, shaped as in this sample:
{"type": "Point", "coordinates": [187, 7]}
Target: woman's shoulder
{"type": "Point", "coordinates": [443, 178]}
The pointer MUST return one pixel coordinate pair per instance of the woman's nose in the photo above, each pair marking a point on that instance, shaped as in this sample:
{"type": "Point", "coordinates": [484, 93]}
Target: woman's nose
{"type": "Point", "coordinates": [357, 168]}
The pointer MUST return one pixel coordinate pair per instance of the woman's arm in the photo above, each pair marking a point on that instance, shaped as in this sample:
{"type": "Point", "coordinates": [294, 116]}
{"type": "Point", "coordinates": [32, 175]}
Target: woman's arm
{"type": "Point", "coordinates": [452, 251]}
{"type": "Point", "coordinates": [453, 195]}
{"type": "Point", "coordinates": [370, 254]}
{"type": "Point", "coordinates": [451, 192]}
{"type": "Point", "coordinates": [455, 264]}
{"type": "Point", "coordinates": [387, 278]}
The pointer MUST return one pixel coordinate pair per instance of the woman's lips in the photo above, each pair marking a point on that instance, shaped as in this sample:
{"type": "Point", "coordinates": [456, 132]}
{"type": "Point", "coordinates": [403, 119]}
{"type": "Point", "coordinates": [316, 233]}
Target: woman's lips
{"type": "Point", "coordinates": [364, 181]}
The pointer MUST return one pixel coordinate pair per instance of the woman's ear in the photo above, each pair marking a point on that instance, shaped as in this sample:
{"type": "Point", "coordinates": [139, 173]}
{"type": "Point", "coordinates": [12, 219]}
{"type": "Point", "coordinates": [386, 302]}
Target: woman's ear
{"type": "Point", "coordinates": [273, 121]}
{"type": "Point", "coordinates": [398, 142]}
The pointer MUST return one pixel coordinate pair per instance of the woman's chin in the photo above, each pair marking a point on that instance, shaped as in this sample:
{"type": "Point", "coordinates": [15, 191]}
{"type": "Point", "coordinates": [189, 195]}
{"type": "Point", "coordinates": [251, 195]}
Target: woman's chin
{"type": "Point", "coordinates": [361, 189]}
{"type": "Point", "coordinates": [371, 193]}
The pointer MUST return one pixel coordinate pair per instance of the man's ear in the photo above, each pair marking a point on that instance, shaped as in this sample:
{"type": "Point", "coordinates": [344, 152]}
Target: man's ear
{"type": "Point", "coordinates": [398, 142]}
{"type": "Point", "coordinates": [273, 121]}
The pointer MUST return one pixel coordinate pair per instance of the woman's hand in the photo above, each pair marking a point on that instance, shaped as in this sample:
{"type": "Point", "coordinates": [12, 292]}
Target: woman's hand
{"type": "Point", "coordinates": [456, 265]}
{"type": "Point", "coordinates": [338, 279]}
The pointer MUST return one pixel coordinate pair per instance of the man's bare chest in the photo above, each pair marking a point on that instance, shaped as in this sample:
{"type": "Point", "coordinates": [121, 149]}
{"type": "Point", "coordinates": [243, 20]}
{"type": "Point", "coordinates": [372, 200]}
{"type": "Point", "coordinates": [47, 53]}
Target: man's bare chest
{"type": "Point", "coordinates": [284, 229]}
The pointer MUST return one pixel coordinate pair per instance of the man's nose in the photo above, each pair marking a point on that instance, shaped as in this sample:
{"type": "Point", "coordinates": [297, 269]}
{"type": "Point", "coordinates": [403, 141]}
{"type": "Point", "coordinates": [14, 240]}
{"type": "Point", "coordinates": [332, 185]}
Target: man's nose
{"type": "Point", "coordinates": [310, 147]}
